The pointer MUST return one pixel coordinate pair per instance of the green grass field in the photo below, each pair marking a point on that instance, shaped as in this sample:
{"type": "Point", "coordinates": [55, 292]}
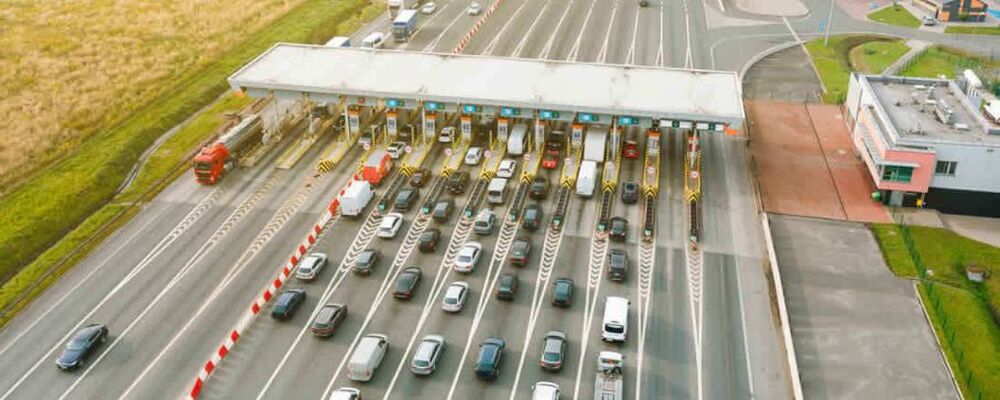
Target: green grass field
{"type": "Point", "coordinates": [973, 30]}
{"type": "Point", "coordinates": [895, 15]}
{"type": "Point", "coordinates": [875, 57]}
{"type": "Point", "coordinates": [832, 62]}
{"type": "Point", "coordinates": [939, 60]}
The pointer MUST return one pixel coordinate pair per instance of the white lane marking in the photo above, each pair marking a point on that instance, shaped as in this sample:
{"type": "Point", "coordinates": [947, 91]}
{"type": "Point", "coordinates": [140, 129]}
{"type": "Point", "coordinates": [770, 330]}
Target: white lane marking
{"type": "Point", "coordinates": [527, 34]}
{"type": "Point", "coordinates": [430, 47]}
{"type": "Point", "coordinates": [630, 58]}
{"type": "Point", "coordinates": [598, 254]}
{"type": "Point", "coordinates": [602, 56]}
{"type": "Point", "coordinates": [575, 50]}
{"type": "Point", "coordinates": [552, 38]}
{"type": "Point", "coordinates": [85, 278]}
{"type": "Point", "coordinates": [194, 215]}
{"type": "Point", "coordinates": [647, 269]}
{"type": "Point", "coordinates": [688, 59]}
{"type": "Point", "coordinates": [660, 51]}
{"type": "Point", "coordinates": [695, 274]}
{"type": "Point", "coordinates": [510, 22]}
{"type": "Point", "coordinates": [413, 37]}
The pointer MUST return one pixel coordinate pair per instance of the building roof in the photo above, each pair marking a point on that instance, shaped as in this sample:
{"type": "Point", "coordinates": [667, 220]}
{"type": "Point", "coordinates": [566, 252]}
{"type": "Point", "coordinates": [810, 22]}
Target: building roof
{"type": "Point", "coordinates": [665, 93]}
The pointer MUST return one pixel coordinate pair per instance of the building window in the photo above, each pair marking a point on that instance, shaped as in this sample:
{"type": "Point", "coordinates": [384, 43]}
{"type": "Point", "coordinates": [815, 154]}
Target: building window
{"type": "Point", "coordinates": [945, 168]}
{"type": "Point", "coordinates": [895, 173]}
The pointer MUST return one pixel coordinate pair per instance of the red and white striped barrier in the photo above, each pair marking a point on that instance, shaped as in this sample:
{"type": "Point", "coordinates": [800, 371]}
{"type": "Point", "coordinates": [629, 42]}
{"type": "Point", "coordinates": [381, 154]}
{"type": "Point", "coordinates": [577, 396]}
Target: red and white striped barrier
{"type": "Point", "coordinates": [269, 292]}
{"type": "Point", "coordinates": [475, 28]}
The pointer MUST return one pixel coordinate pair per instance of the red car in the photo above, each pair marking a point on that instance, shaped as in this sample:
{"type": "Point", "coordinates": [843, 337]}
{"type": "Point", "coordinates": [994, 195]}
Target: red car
{"type": "Point", "coordinates": [551, 159]}
{"type": "Point", "coordinates": [631, 150]}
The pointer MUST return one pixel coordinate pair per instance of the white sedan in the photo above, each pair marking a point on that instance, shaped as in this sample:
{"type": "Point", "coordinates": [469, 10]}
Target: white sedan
{"type": "Point", "coordinates": [454, 297]}
{"type": "Point", "coordinates": [507, 168]}
{"type": "Point", "coordinates": [429, 8]}
{"type": "Point", "coordinates": [390, 225]}
{"type": "Point", "coordinates": [475, 9]}
{"type": "Point", "coordinates": [474, 156]}
{"type": "Point", "coordinates": [468, 257]}
{"type": "Point", "coordinates": [310, 266]}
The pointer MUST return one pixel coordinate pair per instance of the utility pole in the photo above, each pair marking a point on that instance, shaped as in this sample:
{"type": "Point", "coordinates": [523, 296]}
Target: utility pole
{"type": "Point", "coordinates": [829, 22]}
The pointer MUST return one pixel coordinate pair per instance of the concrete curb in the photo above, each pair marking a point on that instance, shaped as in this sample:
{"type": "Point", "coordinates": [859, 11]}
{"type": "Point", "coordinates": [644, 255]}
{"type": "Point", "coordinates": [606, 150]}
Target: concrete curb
{"type": "Point", "coordinates": [268, 293]}
{"type": "Point", "coordinates": [766, 53]}
{"type": "Point", "coordinates": [786, 328]}
{"type": "Point", "coordinates": [930, 325]}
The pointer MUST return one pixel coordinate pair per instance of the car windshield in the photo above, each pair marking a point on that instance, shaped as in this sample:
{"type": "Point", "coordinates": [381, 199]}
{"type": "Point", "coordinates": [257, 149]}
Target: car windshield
{"type": "Point", "coordinates": [78, 343]}
{"type": "Point", "coordinates": [465, 258]}
{"type": "Point", "coordinates": [531, 213]}
{"type": "Point", "coordinates": [614, 328]}
{"type": "Point", "coordinates": [365, 257]}
{"type": "Point", "coordinates": [427, 236]}
{"type": "Point", "coordinates": [550, 356]}
{"type": "Point", "coordinates": [325, 314]}
{"type": "Point", "coordinates": [562, 289]}
{"type": "Point", "coordinates": [405, 281]}
{"type": "Point", "coordinates": [618, 224]}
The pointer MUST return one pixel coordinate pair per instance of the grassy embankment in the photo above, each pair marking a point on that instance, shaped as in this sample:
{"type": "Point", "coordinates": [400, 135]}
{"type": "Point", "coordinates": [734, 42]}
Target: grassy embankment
{"type": "Point", "coordinates": [973, 30]}
{"type": "Point", "coordinates": [895, 15]}
{"type": "Point", "coordinates": [965, 315]}
{"type": "Point", "coordinates": [944, 61]}
{"type": "Point", "coordinates": [47, 222]}
{"type": "Point", "coordinates": [875, 57]}
{"type": "Point", "coordinates": [833, 61]}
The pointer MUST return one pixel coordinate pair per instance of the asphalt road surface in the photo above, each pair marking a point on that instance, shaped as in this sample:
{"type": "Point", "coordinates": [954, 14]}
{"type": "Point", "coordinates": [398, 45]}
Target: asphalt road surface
{"type": "Point", "coordinates": [173, 282]}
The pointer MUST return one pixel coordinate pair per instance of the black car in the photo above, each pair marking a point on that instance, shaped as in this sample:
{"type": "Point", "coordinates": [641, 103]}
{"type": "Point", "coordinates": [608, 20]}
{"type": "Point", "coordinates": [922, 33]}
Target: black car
{"type": "Point", "coordinates": [562, 292]}
{"type": "Point", "coordinates": [539, 188]}
{"type": "Point", "coordinates": [507, 287]}
{"type": "Point", "coordinates": [81, 346]}
{"type": "Point", "coordinates": [366, 261]}
{"type": "Point", "coordinates": [553, 351]}
{"type": "Point", "coordinates": [490, 357]}
{"type": "Point", "coordinates": [406, 283]}
{"type": "Point", "coordinates": [619, 229]}
{"type": "Point", "coordinates": [327, 319]}
{"type": "Point", "coordinates": [406, 198]}
{"type": "Point", "coordinates": [519, 251]}
{"type": "Point", "coordinates": [617, 265]}
{"type": "Point", "coordinates": [419, 178]}
{"type": "Point", "coordinates": [428, 240]}
{"type": "Point", "coordinates": [532, 217]}
{"type": "Point", "coordinates": [630, 192]}
{"type": "Point", "coordinates": [442, 210]}
{"type": "Point", "coordinates": [287, 303]}
{"type": "Point", "coordinates": [457, 182]}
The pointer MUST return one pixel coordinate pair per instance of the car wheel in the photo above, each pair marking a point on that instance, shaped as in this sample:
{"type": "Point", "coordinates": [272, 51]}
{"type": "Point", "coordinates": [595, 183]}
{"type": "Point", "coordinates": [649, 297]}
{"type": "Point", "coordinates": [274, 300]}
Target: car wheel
{"type": "Point", "coordinates": [104, 338]}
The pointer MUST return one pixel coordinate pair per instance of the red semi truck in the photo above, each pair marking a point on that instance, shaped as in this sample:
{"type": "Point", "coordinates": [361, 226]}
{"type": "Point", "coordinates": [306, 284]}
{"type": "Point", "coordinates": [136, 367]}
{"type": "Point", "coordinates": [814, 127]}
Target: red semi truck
{"type": "Point", "coordinates": [218, 158]}
{"type": "Point", "coordinates": [376, 167]}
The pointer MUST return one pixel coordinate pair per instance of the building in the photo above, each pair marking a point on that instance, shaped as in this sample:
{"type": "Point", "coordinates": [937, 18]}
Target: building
{"type": "Point", "coordinates": [927, 142]}
{"type": "Point", "coordinates": [955, 10]}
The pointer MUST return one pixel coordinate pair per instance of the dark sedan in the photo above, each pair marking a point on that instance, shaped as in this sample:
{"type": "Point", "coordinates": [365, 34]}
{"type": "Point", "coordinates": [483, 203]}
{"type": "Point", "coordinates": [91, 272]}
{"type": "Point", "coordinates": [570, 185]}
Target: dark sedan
{"type": "Point", "coordinates": [428, 240]}
{"type": "Point", "coordinates": [619, 229]}
{"type": "Point", "coordinates": [630, 192]}
{"type": "Point", "coordinates": [287, 303]}
{"type": "Point", "coordinates": [519, 251]}
{"type": "Point", "coordinates": [507, 287]}
{"type": "Point", "coordinates": [82, 346]}
{"type": "Point", "coordinates": [532, 217]}
{"type": "Point", "coordinates": [406, 283]}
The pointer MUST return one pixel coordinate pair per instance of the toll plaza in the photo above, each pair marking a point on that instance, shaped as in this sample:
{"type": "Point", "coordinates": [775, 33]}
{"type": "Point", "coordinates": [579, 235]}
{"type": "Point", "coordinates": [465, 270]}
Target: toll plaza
{"type": "Point", "coordinates": [512, 107]}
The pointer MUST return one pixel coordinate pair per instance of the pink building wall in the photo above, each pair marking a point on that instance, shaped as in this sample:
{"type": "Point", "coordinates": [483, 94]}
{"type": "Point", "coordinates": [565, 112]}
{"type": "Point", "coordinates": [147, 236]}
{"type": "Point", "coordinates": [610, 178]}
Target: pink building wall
{"type": "Point", "coordinates": [924, 160]}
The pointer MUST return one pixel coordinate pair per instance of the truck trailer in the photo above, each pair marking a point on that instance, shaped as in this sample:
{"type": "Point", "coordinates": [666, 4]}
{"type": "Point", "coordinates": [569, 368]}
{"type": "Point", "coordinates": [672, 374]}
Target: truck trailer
{"type": "Point", "coordinates": [404, 25]}
{"type": "Point", "coordinates": [395, 6]}
{"type": "Point", "coordinates": [593, 146]}
{"type": "Point", "coordinates": [218, 158]}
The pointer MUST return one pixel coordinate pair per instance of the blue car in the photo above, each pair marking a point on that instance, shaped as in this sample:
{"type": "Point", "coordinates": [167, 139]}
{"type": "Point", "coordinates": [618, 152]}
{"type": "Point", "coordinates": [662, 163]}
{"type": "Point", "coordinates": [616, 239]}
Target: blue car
{"type": "Point", "coordinates": [81, 346]}
{"type": "Point", "coordinates": [287, 303]}
{"type": "Point", "coordinates": [490, 357]}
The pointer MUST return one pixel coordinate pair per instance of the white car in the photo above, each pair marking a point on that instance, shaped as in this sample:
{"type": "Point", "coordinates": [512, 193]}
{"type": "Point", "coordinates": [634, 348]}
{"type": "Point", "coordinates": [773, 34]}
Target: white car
{"type": "Point", "coordinates": [390, 225]}
{"type": "Point", "coordinates": [310, 266]}
{"type": "Point", "coordinates": [395, 149]}
{"type": "Point", "coordinates": [468, 257]}
{"type": "Point", "coordinates": [429, 8]}
{"type": "Point", "coordinates": [545, 391]}
{"type": "Point", "coordinates": [507, 168]}
{"type": "Point", "coordinates": [475, 9]}
{"type": "Point", "coordinates": [447, 134]}
{"type": "Point", "coordinates": [345, 393]}
{"type": "Point", "coordinates": [454, 297]}
{"type": "Point", "coordinates": [474, 156]}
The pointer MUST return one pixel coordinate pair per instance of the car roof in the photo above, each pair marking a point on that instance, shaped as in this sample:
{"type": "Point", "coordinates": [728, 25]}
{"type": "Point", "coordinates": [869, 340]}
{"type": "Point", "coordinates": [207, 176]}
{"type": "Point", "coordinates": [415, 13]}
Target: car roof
{"type": "Point", "coordinates": [454, 290]}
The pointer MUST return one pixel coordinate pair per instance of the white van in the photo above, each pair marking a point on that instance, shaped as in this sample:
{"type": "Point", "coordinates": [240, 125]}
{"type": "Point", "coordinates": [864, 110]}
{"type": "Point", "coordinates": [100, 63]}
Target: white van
{"type": "Point", "coordinates": [374, 40]}
{"type": "Point", "coordinates": [586, 179]}
{"type": "Point", "coordinates": [517, 140]}
{"type": "Point", "coordinates": [339, 41]}
{"type": "Point", "coordinates": [367, 357]}
{"type": "Point", "coordinates": [496, 192]}
{"type": "Point", "coordinates": [356, 198]}
{"type": "Point", "coordinates": [615, 324]}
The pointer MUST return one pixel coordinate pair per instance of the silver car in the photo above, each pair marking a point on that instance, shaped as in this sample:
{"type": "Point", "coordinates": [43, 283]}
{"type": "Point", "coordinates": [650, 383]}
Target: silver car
{"type": "Point", "coordinates": [468, 257]}
{"type": "Point", "coordinates": [454, 297]}
{"type": "Point", "coordinates": [310, 266]}
{"type": "Point", "coordinates": [390, 225]}
{"type": "Point", "coordinates": [426, 357]}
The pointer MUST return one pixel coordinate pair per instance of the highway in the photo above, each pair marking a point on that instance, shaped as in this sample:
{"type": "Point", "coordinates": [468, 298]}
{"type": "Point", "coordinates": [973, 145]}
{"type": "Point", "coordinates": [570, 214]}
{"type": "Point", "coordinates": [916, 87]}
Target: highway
{"type": "Point", "coordinates": [173, 282]}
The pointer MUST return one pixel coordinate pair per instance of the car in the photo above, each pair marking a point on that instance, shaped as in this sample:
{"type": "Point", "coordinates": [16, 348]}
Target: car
{"type": "Point", "coordinates": [428, 8]}
{"type": "Point", "coordinates": [539, 188]}
{"type": "Point", "coordinates": [406, 198]}
{"type": "Point", "coordinates": [442, 210]}
{"type": "Point", "coordinates": [562, 292]}
{"type": "Point", "coordinates": [286, 304]}
{"type": "Point", "coordinates": [365, 140]}
{"type": "Point", "coordinates": [468, 257]}
{"type": "Point", "coordinates": [507, 287]}
{"type": "Point", "coordinates": [327, 319]}
{"type": "Point", "coordinates": [389, 227]}
{"type": "Point", "coordinates": [545, 391]}
{"type": "Point", "coordinates": [395, 149]}
{"type": "Point", "coordinates": [532, 218]}
{"type": "Point", "coordinates": [474, 155]}
{"type": "Point", "coordinates": [630, 192]}
{"type": "Point", "coordinates": [81, 346]}
{"type": "Point", "coordinates": [426, 357]}
{"type": "Point", "coordinates": [489, 359]}
{"type": "Point", "coordinates": [630, 150]}
{"type": "Point", "coordinates": [519, 251]}
{"type": "Point", "coordinates": [406, 283]}
{"type": "Point", "coordinates": [928, 20]}
{"type": "Point", "coordinates": [485, 221]}
{"type": "Point", "coordinates": [366, 261]}
{"type": "Point", "coordinates": [555, 143]}
{"type": "Point", "coordinates": [345, 393]}
{"type": "Point", "coordinates": [619, 229]}
{"type": "Point", "coordinates": [474, 9]}
{"type": "Point", "coordinates": [457, 182]}
{"type": "Point", "coordinates": [507, 168]}
{"type": "Point", "coordinates": [447, 134]}
{"type": "Point", "coordinates": [310, 266]}
{"type": "Point", "coordinates": [617, 265]}
{"type": "Point", "coordinates": [455, 296]}
{"type": "Point", "coordinates": [553, 351]}
{"type": "Point", "coordinates": [428, 240]}
{"type": "Point", "coordinates": [550, 160]}
{"type": "Point", "coordinates": [419, 178]}
{"type": "Point", "coordinates": [374, 40]}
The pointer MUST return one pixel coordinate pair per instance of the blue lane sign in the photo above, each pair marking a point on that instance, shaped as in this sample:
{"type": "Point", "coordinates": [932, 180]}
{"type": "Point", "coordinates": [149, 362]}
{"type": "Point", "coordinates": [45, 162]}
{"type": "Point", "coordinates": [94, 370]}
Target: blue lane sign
{"type": "Point", "coordinates": [625, 120]}
{"type": "Point", "coordinates": [432, 106]}
{"type": "Point", "coordinates": [393, 103]}
{"type": "Point", "coordinates": [509, 112]}
{"type": "Point", "coordinates": [471, 108]}
{"type": "Point", "coordinates": [587, 117]}
{"type": "Point", "coordinates": [548, 114]}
